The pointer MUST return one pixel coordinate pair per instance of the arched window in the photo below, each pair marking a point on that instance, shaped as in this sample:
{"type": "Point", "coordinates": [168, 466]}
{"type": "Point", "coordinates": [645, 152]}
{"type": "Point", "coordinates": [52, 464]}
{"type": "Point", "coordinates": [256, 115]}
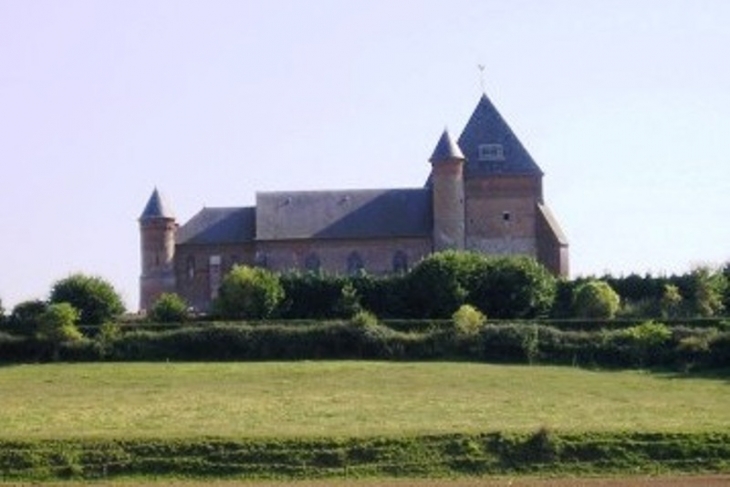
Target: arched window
{"type": "Point", "coordinates": [400, 262]}
{"type": "Point", "coordinates": [190, 267]}
{"type": "Point", "coordinates": [312, 263]}
{"type": "Point", "coordinates": [355, 263]}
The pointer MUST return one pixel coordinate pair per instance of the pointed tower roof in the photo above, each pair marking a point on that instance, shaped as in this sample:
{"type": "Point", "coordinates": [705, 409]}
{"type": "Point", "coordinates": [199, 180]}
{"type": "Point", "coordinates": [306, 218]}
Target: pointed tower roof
{"type": "Point", "coordinates": [446, 150]}
{"type": "Point", "coordinates": [156, 207]}
{"type": "Point", "coordinates": [491, 147]}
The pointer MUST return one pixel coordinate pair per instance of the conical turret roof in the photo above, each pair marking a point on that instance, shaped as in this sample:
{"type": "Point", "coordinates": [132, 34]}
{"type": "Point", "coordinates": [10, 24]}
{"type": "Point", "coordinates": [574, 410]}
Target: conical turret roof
{"type": "Point", "coordinates": [446, 150]}
{"type": "Point", "coordinates": [156, 207]}
{"type": "Point", "coordinates": [491, 147]}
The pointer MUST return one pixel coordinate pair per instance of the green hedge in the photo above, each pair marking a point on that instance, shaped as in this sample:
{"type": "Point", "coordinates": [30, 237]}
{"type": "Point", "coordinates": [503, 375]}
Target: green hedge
{"type": "Point", "coordinates": [644, 345]}
{"type": "Point", "coordinates": [543, 452]}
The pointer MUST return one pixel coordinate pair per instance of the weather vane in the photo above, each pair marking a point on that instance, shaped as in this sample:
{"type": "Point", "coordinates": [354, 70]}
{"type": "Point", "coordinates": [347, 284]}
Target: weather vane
{"type": "Point", "coordinates": [481, 76]}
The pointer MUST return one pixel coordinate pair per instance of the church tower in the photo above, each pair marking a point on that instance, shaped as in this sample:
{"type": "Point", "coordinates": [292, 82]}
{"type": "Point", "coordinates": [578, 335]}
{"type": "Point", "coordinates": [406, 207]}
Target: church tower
{"type": "Point", "coordinates": [447, 179]}
{"type": "Point", "coordinates": [157, 228]}
{"type": "Point", "coordinates": [504, 208]}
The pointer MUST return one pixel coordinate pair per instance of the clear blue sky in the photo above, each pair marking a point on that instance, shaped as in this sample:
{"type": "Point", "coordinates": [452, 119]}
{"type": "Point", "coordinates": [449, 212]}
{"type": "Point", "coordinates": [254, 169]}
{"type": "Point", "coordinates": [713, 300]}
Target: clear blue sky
{"type": "Point", "coordinates": [624, 104]}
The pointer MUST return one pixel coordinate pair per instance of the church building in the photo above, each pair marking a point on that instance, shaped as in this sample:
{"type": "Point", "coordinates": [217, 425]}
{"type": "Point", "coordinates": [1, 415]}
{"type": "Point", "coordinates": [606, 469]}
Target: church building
{"type": "Point", "coordinates": [484, 194]}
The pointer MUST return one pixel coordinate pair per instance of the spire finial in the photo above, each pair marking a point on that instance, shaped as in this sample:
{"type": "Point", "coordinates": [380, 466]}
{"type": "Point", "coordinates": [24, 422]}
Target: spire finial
{"type": "Point", "coordinates": [481, 76]}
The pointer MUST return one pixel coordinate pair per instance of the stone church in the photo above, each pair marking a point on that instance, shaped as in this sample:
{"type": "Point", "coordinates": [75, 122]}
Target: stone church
{"type": "Point", "coordinates": [484, 193]}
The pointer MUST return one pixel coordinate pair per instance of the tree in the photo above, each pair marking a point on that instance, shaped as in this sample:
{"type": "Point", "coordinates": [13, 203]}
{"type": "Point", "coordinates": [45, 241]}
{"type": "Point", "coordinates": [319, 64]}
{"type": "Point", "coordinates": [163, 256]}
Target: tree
{"type": "Point", "coordinates": [438, 285]}
{"type": "Point", "coordinates": [596, 299]}
{"type": "Point", "coordinates": [96, 300]}
{"type": "Point", "coordinates": [671, 302]}
{"type": "Point", "coordinates": [169, 308]}
{"type": "Point", "coordinates": [25, 317]}
{"type": "Point", "coordinates": [512, 287]}
{"type": "Point", "coordinates": [58, 326]}
{"type": "Point", "coordinates": [248, 292]}
{"type": "Point", "coordinates": [349, 303]}
{"type": "Point", "coordinates": [707, 291]}
{"type": "Point", "coordinates": [726, 275]}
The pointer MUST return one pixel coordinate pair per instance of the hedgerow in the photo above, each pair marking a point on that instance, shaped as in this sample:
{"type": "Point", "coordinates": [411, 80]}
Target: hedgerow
{"type": "Point", "coordinates": [647, 344]}
{"type": "Point", "coordinates": [493, 453]}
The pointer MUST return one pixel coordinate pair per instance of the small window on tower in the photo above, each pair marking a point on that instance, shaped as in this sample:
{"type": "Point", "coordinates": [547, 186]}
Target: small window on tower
{"type": "Point", "coordinates": [506, 216]}
{"type": "Point", "coordinates": [491, 152]}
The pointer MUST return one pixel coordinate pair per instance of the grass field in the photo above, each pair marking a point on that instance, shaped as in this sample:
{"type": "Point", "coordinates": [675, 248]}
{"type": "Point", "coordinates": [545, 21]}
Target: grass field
{"type": "Point", "coordinates": [680, 481]}
{"type": "Point", "coordinates": [346, 399]}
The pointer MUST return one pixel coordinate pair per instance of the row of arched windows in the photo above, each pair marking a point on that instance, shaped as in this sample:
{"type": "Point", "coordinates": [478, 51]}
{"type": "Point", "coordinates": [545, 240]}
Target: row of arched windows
{"type": "Point", "coordinates": [355, 263]}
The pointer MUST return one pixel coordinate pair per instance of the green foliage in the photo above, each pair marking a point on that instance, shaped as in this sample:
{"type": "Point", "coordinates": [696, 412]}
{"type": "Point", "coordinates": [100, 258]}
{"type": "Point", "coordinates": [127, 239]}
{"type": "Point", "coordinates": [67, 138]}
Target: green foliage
{"type": "Point", "coordinates": [25, 317]}
{"type": "Point", "coordinates": [671, 301]}
{"type": "Point", "coordinates": [511, 287]}
{"type": "Point", "coordinates": [58, 324]}
{"type": "Point", "coordinates": [364, 319]}
{"type": "Point", "coordinates": [707, 291]}
{"type": "Point", "coordinates": [169, 308]}
{"type": "Point", "coordinates": [468, 320]}
{"type": "Point", "coordinates": [645, 344]}
{"type": "Point", "coordinates": [310, 295]}
{"type": "Point", "coordinates": [502, 287]}
{"type": "Point", "coordinates": [349, 302]}
{"type": "Point", "coordinates": [95, 298]}
{"type": "Point", "coordinates": [438, 285]}
{"type": "Point", "coordinates": [248, 293]}
{"type": "Point", "coordinates": [444, 456]}
{"type": "Point", "coordinates": [725, 271]}
{"type": "Point", "coordinates": [595, 299]}
{"type": "Point", "coordinates": [531, 344]}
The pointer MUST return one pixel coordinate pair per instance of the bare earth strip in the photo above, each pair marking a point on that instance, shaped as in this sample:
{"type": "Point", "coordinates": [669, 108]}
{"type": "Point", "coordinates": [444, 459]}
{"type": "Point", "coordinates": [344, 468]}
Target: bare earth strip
{"type": "Point", "coordinates": [680, 481]}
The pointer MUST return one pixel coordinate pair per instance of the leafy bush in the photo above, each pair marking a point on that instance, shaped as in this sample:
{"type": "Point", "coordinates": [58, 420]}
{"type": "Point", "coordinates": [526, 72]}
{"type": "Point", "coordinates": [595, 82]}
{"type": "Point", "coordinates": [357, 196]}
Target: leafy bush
{"type": "Point", "coordinates": [671, 301]}
{"type": "Point", "coordinates": [169, 308]}
{"type": "Point", "coordinates": [646, 344]}
{"type": "Point", "coordinates": [438, 284]}
{"type": "Point", "coordinates": [501, 287]}
{"type": "Point", "coordinates": [707, 291]}
{"type": "Point", "coordinates": [96, 300]}
{"type": "Point", "coordinates": [248, 292]}
{"type": "Point", "coordinates": [310, 295]}
{"type": "Point", "coordinates": [25, 318]}
{"type": "Point", "coordinates": [511, 287]}
{"type": "Point", "coordinates": [595, 299]}
{"type": "Point", "coordinates": [468, 320]}
{"type": "Point", "coordinates": [364, 319]}
{"type": "Point", "coordinates": [349, 303]}
{"type": "Point", "coordinates": [57, 326]}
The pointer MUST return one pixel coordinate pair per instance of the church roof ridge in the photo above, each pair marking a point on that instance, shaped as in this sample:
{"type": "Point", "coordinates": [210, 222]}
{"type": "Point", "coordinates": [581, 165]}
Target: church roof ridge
{"type": "Point", "coordinates": [156, 207]}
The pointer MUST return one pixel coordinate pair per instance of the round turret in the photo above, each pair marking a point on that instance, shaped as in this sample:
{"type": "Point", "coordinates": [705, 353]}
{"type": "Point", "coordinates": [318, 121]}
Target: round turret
{"type": "Point", "coordinates": [157, 227]}
{"type": "Point", "coordinates": [447, 177]}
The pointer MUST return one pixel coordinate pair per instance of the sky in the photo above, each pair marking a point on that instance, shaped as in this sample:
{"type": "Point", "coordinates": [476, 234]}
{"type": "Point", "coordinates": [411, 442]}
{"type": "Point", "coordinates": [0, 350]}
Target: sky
{"type": "Point", "coordinates": [625, 105]}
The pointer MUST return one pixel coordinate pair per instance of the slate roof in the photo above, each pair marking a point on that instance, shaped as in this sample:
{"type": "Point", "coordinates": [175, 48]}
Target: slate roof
{"type": "Point", "coordinates": [553, 224]}
{"type": "Point", "coordinates": [344, 214]}
{"type": "Point", "coordinates": [219, 226]}
{"type": "Point", "coordinates": [156, 207]}
{"type": "Point", "coordinates": [486, 126]}
{"type": "Point", "coordinates": [446, 150]}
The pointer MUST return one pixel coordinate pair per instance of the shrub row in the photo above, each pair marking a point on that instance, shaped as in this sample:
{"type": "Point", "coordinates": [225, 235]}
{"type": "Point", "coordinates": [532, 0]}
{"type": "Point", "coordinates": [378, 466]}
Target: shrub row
{"type": "Point", "coordinates": [543, 451]}
{"type": "Point", "coordinates": [645, 345]}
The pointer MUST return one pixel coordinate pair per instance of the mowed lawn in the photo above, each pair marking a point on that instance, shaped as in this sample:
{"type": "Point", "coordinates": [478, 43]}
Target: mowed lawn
{"type": "Point", "coordinates": [344, 399]}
